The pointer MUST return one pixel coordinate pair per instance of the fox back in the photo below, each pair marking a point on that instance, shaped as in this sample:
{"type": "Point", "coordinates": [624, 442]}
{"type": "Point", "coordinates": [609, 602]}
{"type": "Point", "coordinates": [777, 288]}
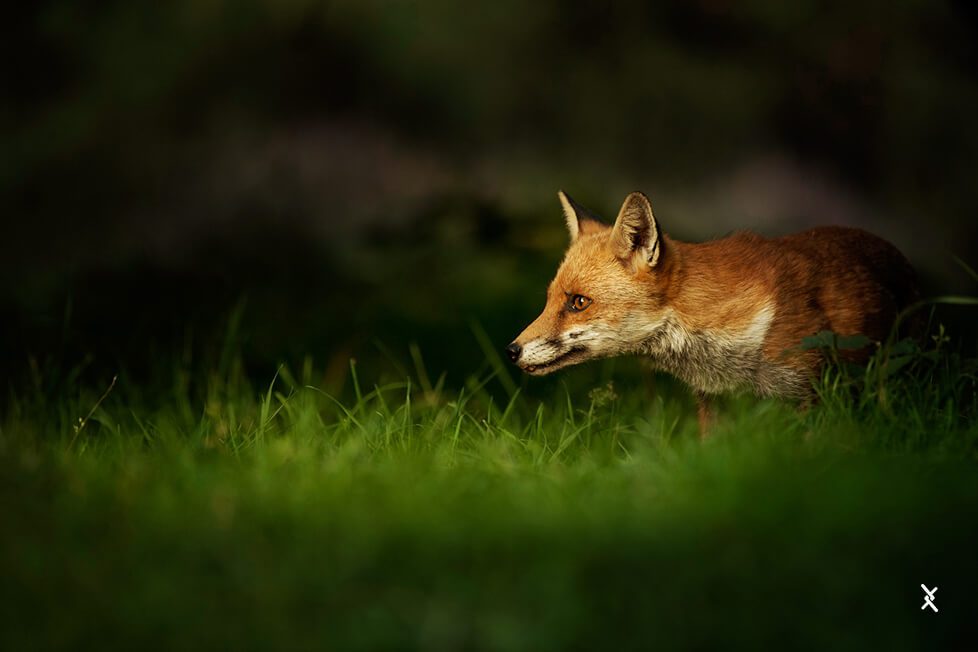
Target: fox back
{"type": "Point", "coordinates": [719, 315]}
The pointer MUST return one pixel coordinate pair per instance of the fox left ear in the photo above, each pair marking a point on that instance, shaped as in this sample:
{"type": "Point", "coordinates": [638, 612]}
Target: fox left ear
{"type": "Point", "coordinates": [635, 236]}
{"type": "Point", "coordinates": [580, 221]}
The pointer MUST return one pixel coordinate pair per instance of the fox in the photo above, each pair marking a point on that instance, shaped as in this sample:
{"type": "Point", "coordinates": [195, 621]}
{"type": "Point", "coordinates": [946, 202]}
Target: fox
{"type": "Point", "coordinates": [722, 315]}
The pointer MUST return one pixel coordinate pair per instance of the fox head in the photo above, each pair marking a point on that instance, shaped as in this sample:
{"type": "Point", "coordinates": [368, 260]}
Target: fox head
{"type": "Point", "coordinates": [608, 297]}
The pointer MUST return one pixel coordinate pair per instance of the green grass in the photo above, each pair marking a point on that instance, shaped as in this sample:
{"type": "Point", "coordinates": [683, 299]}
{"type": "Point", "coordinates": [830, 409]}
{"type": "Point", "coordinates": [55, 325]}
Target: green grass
{"type": "Point", "coordinates": [205, 512]}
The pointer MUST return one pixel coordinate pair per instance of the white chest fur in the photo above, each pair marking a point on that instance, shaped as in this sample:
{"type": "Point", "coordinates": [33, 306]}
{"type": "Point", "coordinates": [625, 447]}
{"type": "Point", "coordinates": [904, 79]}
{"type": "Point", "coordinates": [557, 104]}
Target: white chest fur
{"type": "Point", "coordinates": [720, 360]}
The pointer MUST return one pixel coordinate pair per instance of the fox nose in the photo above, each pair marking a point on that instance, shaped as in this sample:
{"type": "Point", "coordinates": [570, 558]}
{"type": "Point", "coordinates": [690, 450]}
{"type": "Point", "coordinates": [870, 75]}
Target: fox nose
{"type": "Point", "coordinates": [514, 351]}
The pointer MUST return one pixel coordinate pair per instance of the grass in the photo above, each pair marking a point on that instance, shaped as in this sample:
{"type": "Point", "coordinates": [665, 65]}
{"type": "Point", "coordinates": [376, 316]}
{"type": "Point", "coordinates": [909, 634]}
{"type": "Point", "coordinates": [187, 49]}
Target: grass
{"type": "Point", "coordinates": [205, 512]}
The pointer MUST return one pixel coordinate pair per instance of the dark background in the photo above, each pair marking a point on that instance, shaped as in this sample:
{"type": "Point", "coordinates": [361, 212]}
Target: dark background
{"type": "Point", "coordinates": [327, 180]}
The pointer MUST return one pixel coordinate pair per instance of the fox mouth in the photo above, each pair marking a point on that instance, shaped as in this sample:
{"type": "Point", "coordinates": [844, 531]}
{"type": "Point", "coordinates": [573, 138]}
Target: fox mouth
{"type": "Point", "coordinates": [571, 356]}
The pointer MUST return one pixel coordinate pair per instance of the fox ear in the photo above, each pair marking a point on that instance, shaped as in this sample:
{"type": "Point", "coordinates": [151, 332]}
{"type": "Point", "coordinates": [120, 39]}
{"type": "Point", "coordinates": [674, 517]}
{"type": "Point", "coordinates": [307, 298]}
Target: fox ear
{"type": "Point", "coordinates": [635, 236]}
{"type": "Point", "coordinates": [580, 221]}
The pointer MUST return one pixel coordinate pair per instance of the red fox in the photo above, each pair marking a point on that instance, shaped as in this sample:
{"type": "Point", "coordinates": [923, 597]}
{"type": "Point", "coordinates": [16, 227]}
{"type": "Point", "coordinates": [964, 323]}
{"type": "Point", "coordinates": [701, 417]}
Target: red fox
{"type": "Point", "coordinates": [719, 315]}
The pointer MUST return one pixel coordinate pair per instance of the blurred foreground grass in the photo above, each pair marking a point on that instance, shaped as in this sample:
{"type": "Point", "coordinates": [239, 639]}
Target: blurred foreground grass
{"type": "Point", "coordinates": [209, 513]}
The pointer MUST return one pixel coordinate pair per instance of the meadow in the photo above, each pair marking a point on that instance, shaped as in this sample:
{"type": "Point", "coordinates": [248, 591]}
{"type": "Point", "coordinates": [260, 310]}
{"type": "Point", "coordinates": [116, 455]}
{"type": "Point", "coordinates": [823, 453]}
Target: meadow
{"type": "Point", "coordinates": [203, 510]}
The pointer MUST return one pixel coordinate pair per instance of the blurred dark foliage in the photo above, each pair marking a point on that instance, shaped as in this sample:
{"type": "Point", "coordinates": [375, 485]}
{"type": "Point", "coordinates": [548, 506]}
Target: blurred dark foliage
{"type": "Point", "coordinates": [385, 171]}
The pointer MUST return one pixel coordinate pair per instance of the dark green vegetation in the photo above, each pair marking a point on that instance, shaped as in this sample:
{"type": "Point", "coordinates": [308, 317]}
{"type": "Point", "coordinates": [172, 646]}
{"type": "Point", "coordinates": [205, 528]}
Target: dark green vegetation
{"type": "Point", "coordinates": [209, 512]}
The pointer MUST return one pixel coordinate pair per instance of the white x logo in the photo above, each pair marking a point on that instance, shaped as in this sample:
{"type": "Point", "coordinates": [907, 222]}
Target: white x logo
{"type": "Point", "coordinates": [929, 598]}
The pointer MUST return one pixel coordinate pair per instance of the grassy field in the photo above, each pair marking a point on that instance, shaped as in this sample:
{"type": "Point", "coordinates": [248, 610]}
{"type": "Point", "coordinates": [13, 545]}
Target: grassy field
{"type": "Point", "coordinates": [204, 512]}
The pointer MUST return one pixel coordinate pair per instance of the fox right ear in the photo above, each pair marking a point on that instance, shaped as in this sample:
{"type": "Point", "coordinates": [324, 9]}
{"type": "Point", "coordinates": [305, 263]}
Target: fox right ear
{"type": "Point", "coordinates": [579, 219]}
{"type": "Point", "coordinates": [635, 236]}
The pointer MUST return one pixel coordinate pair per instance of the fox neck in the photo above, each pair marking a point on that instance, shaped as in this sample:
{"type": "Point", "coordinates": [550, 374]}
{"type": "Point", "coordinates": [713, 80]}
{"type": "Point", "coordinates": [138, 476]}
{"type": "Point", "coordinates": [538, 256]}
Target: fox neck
{"type": "Point", "coordinates": [710, 335]}
{"type": "Point", "coordinates": [705, 290]}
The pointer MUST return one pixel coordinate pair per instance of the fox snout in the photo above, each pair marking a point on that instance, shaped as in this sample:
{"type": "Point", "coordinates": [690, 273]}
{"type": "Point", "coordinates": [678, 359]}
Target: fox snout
{"type": "Point", "coordinates": [540, 356]}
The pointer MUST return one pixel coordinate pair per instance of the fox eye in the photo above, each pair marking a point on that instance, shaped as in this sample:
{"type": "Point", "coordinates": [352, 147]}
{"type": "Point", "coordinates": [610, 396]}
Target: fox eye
{"type": "Point", "coordinates": [578, 302]}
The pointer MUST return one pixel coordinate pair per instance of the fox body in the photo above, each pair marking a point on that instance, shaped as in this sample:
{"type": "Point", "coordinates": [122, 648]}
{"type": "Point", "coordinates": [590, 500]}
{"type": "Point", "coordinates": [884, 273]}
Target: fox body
{"type": "Point", "coordinates": [720, 315]}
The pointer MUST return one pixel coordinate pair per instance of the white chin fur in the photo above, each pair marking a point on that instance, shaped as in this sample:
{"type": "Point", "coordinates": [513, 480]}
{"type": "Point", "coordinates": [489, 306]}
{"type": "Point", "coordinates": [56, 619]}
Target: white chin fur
{"type": "Point", "coordinates": [570, 357]}
{"type": "Point", "coordinates": [543, 356]}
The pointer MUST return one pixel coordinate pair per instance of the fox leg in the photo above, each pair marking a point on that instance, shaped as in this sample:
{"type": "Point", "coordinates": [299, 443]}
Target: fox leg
{"type": "Point", "coordinates": [706, 413]}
